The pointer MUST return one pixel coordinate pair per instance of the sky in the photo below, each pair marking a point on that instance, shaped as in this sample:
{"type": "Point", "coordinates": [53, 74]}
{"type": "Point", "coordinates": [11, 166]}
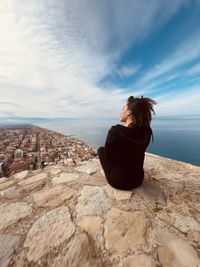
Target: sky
{"type": "Point", "coordinates": [84, 58]}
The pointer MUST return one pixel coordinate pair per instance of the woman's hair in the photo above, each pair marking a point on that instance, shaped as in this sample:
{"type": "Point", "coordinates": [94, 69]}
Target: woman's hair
{"type": "Point", "coordinates": [141, 110]}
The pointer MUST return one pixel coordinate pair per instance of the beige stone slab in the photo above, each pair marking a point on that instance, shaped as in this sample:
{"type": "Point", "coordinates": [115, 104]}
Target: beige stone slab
{"type": "Point", "coordinates": [37, 185]}
{"type": "Point", "coordinates": [81, 253]}
{"type": "Point", "coordinates": [92, 201]}
{"type": "Point", "coordinates": [87, 165]}
{"type": "Point", "coordinates": [87, 169]}
{"type": "Point", "coordinates": [6, 184]}
{"type": "Point", "coordinates": [150, 191]}
{"type": "Point", "coordinates": [92, 180]}
{"type": "Point", "coordinates": [34, 182]}
{"type": "Point", "coordinates": [137, 261]}
{"type": "Point", "coordinates": [65, 177]}
{"type": "Point", "coordinates": [55, 171]}
{"type": "Point", "coordinates": [21, 175]}
{"type": "Point", "coordinates": [12, 212]}
{"type": "Point", "coordinates": [33, 179]}
{"type": "Point", "coordinates": [124, 230]}
{"type": "Point", "coordinates": [9, 193]}
{"type": "Point", "coordinates": [164, 217]}
{"type": "Point", "coordinates": [91, 224]}
{"type": "Point", "coordinates": [185, 224]}
{"type": "Point", "coordinates": [3, 179]}
{"type": "Point", "coordinates": [53, 196]}
{"type": "Point", "coordinates": [175, 251]}
{"type": "Point", "coordinates": [117, 194]}
{"type": "Point", "coordinates": [102, 172]}
{"type": "Point", "coordinates": [8, 245]}
{"type": "Point", "coordinates": [48, 232]}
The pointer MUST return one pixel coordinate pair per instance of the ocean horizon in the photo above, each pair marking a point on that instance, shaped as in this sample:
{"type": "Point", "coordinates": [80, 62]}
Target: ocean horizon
{"type": "Point", "coordinates": [175, 137]}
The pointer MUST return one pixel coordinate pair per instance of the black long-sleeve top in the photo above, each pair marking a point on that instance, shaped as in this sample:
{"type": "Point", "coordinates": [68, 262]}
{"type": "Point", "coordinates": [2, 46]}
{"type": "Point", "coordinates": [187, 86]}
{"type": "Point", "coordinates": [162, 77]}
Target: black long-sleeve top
{"type": "Point", "coordinates": [125, 151]}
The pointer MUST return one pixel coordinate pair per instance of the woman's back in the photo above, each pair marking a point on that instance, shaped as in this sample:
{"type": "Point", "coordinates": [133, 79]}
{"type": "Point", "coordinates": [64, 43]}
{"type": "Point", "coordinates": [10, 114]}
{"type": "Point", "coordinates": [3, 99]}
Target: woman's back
{"type": "Point", "coordinates": [125, 150]}
{"type": "Point", "coordinates": [122, 157]}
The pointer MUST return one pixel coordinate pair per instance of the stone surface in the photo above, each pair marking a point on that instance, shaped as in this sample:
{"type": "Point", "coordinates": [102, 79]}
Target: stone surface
{"type": "Point", "coordinates": [185, 223]}
{"type": "Point", "coordinates": [21, 175]}
{"type": "Point", "coordinates": [150, 191]}
{"type": "Point", "coordinates": [12, 212]}
{"type": "Point", "coordinates": [137, 261]}
{"type": "Point", "coordinates": [9, 192]}
{"type": "Point", "coordinates": [55, 171]}
{"type": "Point", "coordinates": [117, 194]}
{"type": "Point", "coordinates": [87, 169]}
{"type": "Point", "coordinates": [48, 232]}
{"type": "Point", "coordinates": [174, 251]}
{"type": "Point", "coordinates": [86, 166]}
{"type": "Point", "coordinates": [53, 196]}
{"type": "Point", "coordinates": [33, 179]}
{"type": "Point", "coordinates": [81, 253]}
{"type": "Point", "coordinates": [62, 216]}
{"type": "Point", "coordinates": [6, 184]}
{"type": "Point", "coordinates": [91, 224]}
{"type": "Point", "coordinates": [33, 182]}
{"type": "Point", "coordinates": [65, 177]}
{"type": "Point", "coordinates": [164, 217]}
{"type": "Point", "coordinates": [93, 201]}
{"type": "Point", "coordinates": [124, 230]}
{"type": "Point", "coordinates": [8, 245]}
{"type": "Point", "coordinates": [102, 172]}
{"type": "Point", "coordinates": [3, 179]}
{"type": "Point", "coordinates": [92, 180]}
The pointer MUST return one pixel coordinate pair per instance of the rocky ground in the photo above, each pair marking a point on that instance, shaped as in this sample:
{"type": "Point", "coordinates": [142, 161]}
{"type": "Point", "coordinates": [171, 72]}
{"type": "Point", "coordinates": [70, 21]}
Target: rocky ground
{"type": "Point", "coordinates": [70, 216]}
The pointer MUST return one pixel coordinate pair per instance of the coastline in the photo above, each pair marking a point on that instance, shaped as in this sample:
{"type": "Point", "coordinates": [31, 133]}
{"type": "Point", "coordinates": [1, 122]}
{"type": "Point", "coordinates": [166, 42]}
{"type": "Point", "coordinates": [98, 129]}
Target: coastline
{"type": "Point", "coordinates": [30, 147]}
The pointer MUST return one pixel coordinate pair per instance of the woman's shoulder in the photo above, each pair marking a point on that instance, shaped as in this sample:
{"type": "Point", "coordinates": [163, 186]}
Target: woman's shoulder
{"type": "Point", "coordinates": [112, 133]}
{"type": "Point", "coordinates": [114, 128]}
{"type": "Point", "coordinates": [117, 127]}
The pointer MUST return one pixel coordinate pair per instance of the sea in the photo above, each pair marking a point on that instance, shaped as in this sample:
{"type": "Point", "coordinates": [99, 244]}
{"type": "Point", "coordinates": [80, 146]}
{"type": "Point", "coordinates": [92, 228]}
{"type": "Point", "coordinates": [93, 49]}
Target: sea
{"type": "Point", "coordinates": [174, 137]}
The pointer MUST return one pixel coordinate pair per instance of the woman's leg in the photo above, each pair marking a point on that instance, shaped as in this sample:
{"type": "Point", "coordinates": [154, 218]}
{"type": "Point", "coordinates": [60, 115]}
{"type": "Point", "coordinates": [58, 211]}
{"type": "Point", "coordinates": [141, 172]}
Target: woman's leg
{"type": "Point", "coordinates": [104, 163]}
{"type": "Point", "coordinates": [110, 176]}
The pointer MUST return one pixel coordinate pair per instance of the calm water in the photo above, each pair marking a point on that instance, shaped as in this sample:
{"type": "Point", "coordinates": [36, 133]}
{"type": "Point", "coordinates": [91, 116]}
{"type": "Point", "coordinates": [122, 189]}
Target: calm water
{"type": "Point", "coordinates": [174, 137]}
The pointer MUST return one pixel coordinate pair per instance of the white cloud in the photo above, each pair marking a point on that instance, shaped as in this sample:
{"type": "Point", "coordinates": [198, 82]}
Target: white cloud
{"type": "Point", "coordinates": [179, 103]}
{"type": "Point", "coordinates": [127, 70]}
{"type": "Point", "coordinates": [54, 53]}
{"type": "Point", "coordinates": [183, 54]}
{"type": "Point", "coordinates": [193, 70]}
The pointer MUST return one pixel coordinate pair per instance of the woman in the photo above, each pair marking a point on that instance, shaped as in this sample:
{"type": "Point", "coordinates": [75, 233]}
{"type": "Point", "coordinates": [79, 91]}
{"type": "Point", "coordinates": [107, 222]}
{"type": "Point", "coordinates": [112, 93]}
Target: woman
{"type": "Point", "coordinates": [122, 157]}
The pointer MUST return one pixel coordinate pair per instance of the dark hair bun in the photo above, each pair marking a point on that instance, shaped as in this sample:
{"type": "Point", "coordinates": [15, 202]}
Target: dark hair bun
{"type": "Point", "coordinates": [131, 98]}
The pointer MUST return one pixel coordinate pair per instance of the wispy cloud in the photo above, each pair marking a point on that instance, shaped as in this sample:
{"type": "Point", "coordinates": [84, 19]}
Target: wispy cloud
{"type": "Point", "coordinates": [54, 53]}
{"type": "Point", "coordinates": [180, 103]}
{"type": "Point", "coordinates": [127, 71]}
{"type": "Point", "coordinates": [183, 54]}
{"type": "Point", "coordinates": [193, 70]}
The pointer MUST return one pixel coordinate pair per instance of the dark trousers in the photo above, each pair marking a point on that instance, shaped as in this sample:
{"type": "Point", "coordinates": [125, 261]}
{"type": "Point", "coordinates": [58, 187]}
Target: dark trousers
{"type": "Point", "coordinates": [115, 179]}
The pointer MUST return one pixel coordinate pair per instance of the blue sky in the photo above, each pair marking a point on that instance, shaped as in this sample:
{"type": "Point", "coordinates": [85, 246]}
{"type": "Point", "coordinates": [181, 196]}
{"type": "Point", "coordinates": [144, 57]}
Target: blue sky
{"type": "Point", "coordinates": [85, 58]}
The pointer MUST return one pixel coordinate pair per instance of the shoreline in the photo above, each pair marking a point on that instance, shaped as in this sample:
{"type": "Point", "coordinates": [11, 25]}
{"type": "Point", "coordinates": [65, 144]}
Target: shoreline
{"type": "Point", "coordinates": [30, 147]}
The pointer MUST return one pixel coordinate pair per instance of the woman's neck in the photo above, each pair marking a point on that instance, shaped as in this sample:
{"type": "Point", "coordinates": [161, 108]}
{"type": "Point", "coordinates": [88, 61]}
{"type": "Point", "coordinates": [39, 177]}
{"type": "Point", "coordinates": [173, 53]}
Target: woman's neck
{"type": "Point", "coordinates": [128, 122]}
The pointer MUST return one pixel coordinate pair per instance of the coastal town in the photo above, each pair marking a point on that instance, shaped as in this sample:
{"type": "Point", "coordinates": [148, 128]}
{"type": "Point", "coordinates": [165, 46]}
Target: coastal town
{"type": "Point", "coordinates": [29, 147]}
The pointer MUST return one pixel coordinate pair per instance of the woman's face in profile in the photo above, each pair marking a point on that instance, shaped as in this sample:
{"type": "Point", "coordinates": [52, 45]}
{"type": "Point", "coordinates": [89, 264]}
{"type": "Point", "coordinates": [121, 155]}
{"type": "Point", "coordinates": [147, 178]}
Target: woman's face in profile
{"type": "Point", "coordinates": [124, 113]}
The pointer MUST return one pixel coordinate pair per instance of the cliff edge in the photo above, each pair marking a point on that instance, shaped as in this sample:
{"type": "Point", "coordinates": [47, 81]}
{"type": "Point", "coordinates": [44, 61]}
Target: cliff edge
{"type": "Point", "coordinates": [70, 216]}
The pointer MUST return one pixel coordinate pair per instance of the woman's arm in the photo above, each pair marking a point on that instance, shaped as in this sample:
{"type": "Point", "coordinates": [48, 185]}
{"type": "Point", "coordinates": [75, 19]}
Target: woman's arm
{"type": "Point", "coordinates": [110, 143]}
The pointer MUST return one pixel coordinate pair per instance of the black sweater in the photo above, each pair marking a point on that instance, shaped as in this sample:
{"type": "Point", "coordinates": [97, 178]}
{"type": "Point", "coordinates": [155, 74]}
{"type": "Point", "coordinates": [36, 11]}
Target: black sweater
{"type": "Point", "coordinates": [125, 151]}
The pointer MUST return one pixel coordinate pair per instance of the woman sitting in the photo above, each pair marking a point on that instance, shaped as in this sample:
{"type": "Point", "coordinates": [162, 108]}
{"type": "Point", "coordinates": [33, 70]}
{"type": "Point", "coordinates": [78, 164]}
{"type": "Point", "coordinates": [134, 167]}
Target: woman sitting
{"type": "Point", "coordinates": [122, 157]}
